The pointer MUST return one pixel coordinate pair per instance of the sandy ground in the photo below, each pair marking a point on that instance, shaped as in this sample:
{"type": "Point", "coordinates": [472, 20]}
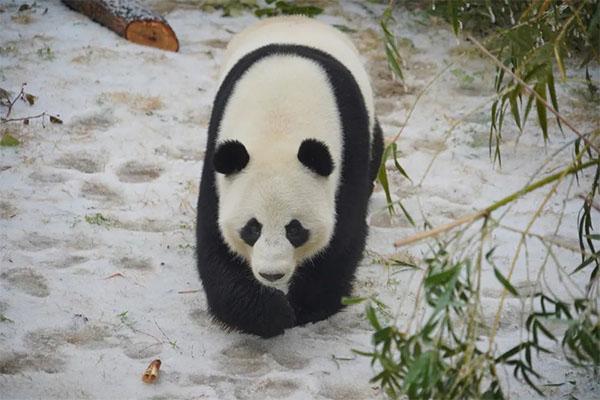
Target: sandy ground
{"type": "Point", "coordinates": [97, 270]}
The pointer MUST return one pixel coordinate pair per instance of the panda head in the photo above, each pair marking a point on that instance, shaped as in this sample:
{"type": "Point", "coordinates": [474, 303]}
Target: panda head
{"type": "Point", "coordinates": [276, 209]}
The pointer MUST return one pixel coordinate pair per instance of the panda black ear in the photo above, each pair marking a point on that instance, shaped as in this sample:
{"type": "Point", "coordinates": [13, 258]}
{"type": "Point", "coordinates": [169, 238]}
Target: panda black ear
{"type": "Point", "coordinates": [230, 157]}
{"type": "Point", "coordinates": [315, 155]}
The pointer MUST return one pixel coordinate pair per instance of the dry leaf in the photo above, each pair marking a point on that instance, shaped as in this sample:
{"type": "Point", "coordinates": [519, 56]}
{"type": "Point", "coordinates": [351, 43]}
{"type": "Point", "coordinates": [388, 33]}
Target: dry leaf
{"type": "Point", "coordinates": [55, 120]}
{"type": "Point", "coordinates": [30, 98]}
{"type": "Point", "coordinates": [5, 95]}
{"type": "Point", "coordinates": [151, 373]}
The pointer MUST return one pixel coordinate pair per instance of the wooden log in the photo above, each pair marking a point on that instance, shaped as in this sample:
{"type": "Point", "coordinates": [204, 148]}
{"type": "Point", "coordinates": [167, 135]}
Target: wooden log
{"type": "Point", "coordinates": [129, 19]}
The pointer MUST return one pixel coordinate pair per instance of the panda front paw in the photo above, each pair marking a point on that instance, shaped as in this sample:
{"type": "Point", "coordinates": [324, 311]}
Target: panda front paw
{"type": "Point", "coordinates": [277, 316]}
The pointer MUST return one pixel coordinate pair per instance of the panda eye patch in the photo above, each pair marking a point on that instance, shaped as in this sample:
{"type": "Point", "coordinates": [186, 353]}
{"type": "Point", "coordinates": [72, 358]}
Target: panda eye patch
{"type": "Point", "coordinates": [296, 233]}
{"type": "Point", "coordinates": [251, 231]}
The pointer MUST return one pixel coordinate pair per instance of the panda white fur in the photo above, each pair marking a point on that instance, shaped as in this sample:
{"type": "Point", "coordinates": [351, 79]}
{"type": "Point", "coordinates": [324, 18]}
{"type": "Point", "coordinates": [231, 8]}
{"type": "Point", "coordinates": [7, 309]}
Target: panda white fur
{"type": "Point", "coordinates": [293, 149]}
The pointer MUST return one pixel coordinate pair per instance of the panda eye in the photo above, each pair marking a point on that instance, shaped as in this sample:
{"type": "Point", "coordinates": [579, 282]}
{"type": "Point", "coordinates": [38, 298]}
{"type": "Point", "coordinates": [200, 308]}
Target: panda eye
{"type": "Point", "coordinates": [251, 231]}
{"type": "Point", "coordinates": [296, 233]}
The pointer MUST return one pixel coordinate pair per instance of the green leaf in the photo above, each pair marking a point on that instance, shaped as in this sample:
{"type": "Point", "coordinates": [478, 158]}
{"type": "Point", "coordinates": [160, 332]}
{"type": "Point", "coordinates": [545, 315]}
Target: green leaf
{"type": "Point", "coordinates": [509, 353]}
{"type": "Point", "coordinates": [586, 262]}
{"type": "Point", "coordinates": [391, 50]}
{"type": "Point", "coordinates": [507, 285]}
{"type": "Point", "coordinates": [383, 180]}
{"type": "Point", "coordinates": [372, 317]}
{"type": "Point", "coordinates": [9, 140]}
{"type": "Point", "coordinates": [442, 277]}
{"type": "Point", "coordinates": [344, 28]}
{"type": "Point", "coordinates": [559, 60]}
{"type": "Point", "coordinates": [540, 89]}
{"type": "Point", "coordinates": [553, 98]}
{"type": "Point", "coordinates": [528, 109]}
{"type": "Point", "coordinates": [348, 301]}
{"type": "Point", "coordinates": [514, 106]}
{"type": "Point", "coordinates": [394, 151]}
{"type": "Point", "coordinates": [453, 14]}
{"type": "Point", "coordinates": [4, 318]}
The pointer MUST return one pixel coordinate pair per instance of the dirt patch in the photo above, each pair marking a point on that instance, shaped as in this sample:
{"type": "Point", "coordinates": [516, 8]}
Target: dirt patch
{"type": "Point", "coordinates": [215, 43]}
{"type": "Point", "coordinates": [12, 363]}
{"type": "Point", "coordinates": [270, 388]}
{"type": "Point", "coordinates": [137, 172]}
{"type": "Point", "coordinates": [85, 125]}
{"type": "Point", "coordinates": [245, 358]}
{"type": "Point", "coordinates": [26, 280]}
{"type": "Point", "coordinates": [92, 56]}
{"type": "Point", "coordinates": [142, 350]}
{"type": "Point", "coordinates": [7, 210]}
{"type": "Point", "coordinates": [139, 264]}
{"type": "Point", "coordinates": [135, 102]}
{"type": "Point", "coordinates": [81, 162]}
{"type": "Point", "coordinates": [95, 190]}
{"type": "Point", "coordinates": [68, 262]}
{"type": "Point", "coordinates": [47, 177]}
{"type": "Point", "coordinates": [146, 225]}
{"type": "Point", "coordinates": [36, 242]}
{"type": "Point", "coordinates": [180, 153]}
{"type": "Point", "coordinates": [90, 336]}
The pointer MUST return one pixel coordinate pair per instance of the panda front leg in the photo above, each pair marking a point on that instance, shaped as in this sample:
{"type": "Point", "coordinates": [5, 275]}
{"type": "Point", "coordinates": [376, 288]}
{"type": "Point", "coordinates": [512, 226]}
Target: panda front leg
{"type": "Point", "coordinates": [238, 301]}
{"type": "Point", "coordinates": [316, 291]}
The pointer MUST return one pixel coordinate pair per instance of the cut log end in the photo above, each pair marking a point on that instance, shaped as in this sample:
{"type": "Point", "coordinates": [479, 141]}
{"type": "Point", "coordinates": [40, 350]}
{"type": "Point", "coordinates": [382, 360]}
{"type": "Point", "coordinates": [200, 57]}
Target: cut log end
{"type": "Point", "coordinates": [152, 33]}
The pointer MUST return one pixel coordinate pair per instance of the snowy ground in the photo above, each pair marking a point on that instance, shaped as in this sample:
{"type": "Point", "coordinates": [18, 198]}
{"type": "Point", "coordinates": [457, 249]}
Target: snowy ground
{"type": "Point", "coordinates": [97, 270]}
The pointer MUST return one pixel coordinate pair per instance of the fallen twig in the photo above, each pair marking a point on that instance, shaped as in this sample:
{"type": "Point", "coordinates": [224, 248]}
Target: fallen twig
{"type": "Point", "coordinates": [116, 274]}
{"type": "Point", "coordinates": [188, 291]}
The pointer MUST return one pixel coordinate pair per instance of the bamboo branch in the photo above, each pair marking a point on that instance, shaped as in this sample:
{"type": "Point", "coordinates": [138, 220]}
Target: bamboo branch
{"type": "Point", "coordinates": [488, 210]}
{"type": "Point", "coordinates": [532, 92]}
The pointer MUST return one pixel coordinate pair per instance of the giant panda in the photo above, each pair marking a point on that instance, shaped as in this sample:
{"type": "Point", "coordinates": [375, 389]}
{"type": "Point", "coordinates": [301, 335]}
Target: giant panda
{"type": "Point", "coordinates": [292, 152]}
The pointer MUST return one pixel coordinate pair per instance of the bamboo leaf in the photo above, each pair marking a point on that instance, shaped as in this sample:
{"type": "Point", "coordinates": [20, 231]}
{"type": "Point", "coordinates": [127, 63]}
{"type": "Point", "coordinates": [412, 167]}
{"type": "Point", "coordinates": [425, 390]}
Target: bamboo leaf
{"type": "Point", "coordinates": [372, 317]}
{"type": "Point", "coordinates": [453, 14]}
{"type": "Point", "coordinates": [514, 106]}
{"type": "Point", "coordinates": [540, 89]}
{"type": "Point", "coordinates": [394, 152]}
{"type": "Point", "coordinates": [559, 60]}
{"type": "Point", "coordinates": [527, 109]}
{"type": "Point", "coordinates": [586, 262]}
{"type": "Point", "coordinates": [383, 180]}
{"type": "Point", "coordinates": [442, 277]}
{"type": "Point", "coordinates": [507, 285]}
{"type": "Point", "coordinates": [406, 214]}
{"type": "Point", "coordinates": [348, 301]}
{"type": "Point", "coordinates": [553, 98]}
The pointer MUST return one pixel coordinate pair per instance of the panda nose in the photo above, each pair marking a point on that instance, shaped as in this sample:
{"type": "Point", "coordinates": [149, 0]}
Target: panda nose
{"type": "Point", "coordinates": [271, 277]}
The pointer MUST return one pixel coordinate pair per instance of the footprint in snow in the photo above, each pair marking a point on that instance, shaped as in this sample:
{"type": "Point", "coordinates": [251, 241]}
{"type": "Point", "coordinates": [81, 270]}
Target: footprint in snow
{"type": "Point", "coordinates": [137, 172]}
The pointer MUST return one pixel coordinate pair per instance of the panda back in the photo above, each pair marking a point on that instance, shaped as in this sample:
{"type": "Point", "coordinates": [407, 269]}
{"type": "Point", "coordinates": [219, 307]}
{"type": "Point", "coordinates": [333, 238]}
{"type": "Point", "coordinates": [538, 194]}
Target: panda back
{"type": "Point", "coordinates": [303, 31]}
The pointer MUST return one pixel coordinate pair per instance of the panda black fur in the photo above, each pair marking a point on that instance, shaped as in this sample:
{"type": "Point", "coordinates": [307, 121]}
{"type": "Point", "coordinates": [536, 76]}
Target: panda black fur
{"type": "Point", "coordinates": [315, 287]}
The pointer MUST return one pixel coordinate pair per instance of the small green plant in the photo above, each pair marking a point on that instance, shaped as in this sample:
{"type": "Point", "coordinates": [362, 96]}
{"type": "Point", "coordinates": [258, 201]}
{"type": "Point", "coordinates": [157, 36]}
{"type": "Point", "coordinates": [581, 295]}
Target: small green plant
{"type": "Point", "coordinates": [98, 219]}
{"type": "Point", "coordinates": [281, 7]}
{"type": "Point", "coordinates": [4, 318]}
{"type": "Point", "coordinates": [230, 8]}
{"type": "Point", "coordinates": [123, 317]}
{"type": "Point", "coordinates": [46, 53]}
{"type": "Point", "coordinates": [9, 140]}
